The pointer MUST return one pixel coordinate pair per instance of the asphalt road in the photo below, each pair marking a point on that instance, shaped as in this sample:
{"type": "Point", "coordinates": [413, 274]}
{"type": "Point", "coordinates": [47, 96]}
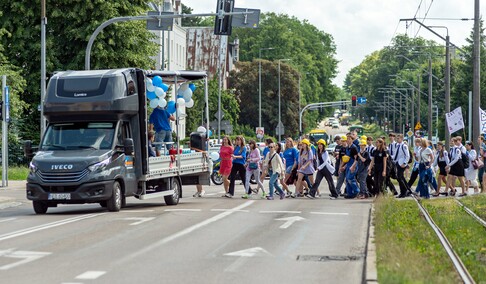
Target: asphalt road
{"type": "Point", "coordinates": [201, 240]}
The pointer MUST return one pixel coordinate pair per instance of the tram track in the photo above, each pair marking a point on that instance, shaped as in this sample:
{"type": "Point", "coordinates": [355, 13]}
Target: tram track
{"type": "Point", "coordinates": [456, 260]}
{"type": "Point", "coordinates": [470, 212]}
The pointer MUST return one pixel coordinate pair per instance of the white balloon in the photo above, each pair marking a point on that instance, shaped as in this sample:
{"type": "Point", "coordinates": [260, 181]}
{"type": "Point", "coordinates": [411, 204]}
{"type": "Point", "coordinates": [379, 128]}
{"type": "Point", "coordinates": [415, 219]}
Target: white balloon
{"type": "Point", "coordinates": [154, 103]}
{"type": "Point", "coordinates": [159, 92]}
{"type": "Point", "coordinates": [214, 156]}
{"type": "Point", "coordinates": [181, 102]}
{"type": "Point", "coordinates": [162, 103]}
{"type": "Point", "coordinates": [201, 129]}
{"type": "Point", "coordinates": [187, 95]}
{"type": "Point", "coordinates": [190, 103]}
{"type": "Point", "coordinates": [150, 87]}
{"type": "Point", "coordinates": [184, 87]}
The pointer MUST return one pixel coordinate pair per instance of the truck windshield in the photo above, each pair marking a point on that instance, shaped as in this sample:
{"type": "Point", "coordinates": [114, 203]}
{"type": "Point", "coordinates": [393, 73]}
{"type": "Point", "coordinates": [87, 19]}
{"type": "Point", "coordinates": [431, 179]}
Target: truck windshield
{"type": "Point", "coordinates": [79, 135]}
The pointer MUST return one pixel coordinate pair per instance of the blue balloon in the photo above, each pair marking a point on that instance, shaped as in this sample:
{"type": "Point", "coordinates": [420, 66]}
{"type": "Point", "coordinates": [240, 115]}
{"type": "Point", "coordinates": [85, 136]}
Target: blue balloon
{"type": "Point", "coordinates": [164, 87]}
{"type": "Point", "coordinates": [171, 107]}
{"type": "Point", "coordinates": [180, 96]}
{"type": "Point", "coordinates": [192, 87]}
{"type": "Point", "coordinates": [151, 95]}
{"type": "Point", "coordinates": [157, 81]}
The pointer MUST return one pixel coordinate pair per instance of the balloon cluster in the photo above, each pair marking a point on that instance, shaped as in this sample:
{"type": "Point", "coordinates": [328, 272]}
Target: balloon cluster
{"type": "Point", "coordinates": [156, 93]}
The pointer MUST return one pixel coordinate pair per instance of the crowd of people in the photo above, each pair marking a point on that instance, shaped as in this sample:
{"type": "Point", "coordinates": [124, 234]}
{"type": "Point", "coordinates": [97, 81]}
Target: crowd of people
{"type": "Point", "coordinates": [363, 167]}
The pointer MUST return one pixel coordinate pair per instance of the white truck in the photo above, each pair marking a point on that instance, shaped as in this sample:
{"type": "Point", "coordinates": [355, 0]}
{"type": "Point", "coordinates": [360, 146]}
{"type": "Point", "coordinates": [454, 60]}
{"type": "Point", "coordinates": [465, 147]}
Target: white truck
{"type": "Point", "coordinates": [94, 149]}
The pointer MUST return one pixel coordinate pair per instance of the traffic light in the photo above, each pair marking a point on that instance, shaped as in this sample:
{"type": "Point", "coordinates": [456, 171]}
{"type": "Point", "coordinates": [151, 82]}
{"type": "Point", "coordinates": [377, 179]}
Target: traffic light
{"type": "Point", "coordinates": [222, 25]}
{"type": "Point", "coordinates": [353, 101]}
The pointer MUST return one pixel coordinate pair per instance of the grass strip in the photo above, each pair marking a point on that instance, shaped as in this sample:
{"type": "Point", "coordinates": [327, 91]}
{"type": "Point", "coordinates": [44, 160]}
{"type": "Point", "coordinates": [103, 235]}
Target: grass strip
{"type": "Point", "coordinates": [17, 173]}
{"type": "Point", "coordinates": [477, 203]}
{"type": "Point", "coordinates": [408, 251]}
{"type": "Point", "coordinates": [466, 235]}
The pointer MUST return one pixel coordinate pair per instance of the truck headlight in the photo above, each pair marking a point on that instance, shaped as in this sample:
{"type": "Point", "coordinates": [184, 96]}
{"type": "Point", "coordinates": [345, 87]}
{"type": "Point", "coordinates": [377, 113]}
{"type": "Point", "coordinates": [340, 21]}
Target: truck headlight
{"type": "Point", "coordinates": [100, 165]}
{"type": "Point", "coordinates": [32, 168]}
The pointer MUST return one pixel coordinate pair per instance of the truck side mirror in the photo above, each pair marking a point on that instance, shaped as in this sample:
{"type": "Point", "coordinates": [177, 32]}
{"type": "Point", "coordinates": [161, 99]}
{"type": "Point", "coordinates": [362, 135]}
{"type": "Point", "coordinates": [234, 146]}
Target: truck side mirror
{"type": "Point", "coordinates": [128, 146]}
{"type": "Point", "coordinates": [28, 152]}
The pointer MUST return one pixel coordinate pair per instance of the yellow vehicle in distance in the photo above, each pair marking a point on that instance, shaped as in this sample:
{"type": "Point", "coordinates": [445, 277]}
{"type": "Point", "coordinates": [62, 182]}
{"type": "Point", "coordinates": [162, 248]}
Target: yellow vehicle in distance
{"type": "Point", "coordinates": [316, 134]}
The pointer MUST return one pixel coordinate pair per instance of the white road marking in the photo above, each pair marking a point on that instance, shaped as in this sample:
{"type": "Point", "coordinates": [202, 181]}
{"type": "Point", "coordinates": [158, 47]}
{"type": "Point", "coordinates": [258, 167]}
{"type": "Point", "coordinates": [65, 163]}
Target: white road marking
{"type": "Point", "coordinates": [138, 211]}
{"type": "Point", "coordinates": [26, 256]}
{"type": "Point", "coordinates": [248, 252]}
{"type": "Point", "coordinates": [228, 210]}
{"type": "Point", "coordinates": [289, 221]}
{"type": "Point", "coordinates": [183, 210]}
{"type": "Point", "coordinates": [329, 213]}
{"type": "Point", "coordinates": [211, 194]}
{"type": "Point", "coordinates": [6, 220]}
{"type": "Point", "coordinates": [139, 219]}
{"type": "Point", "coordinates": [46, 226]}
{"type": "Point", "coordinates": [184, 232]}
{"type": "Point", "coordinates": [9, 204]}
{"type": "Point", "coordinates": [90, 275]}
{"type": "Point", "coordinates": [285, 212]}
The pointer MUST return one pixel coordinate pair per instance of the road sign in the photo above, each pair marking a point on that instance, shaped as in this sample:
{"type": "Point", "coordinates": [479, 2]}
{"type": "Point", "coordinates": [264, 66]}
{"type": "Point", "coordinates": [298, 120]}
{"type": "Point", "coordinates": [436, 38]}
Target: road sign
{"type": "Point", "coordinates": [247, 20]}
{"type": "Point", "coordinates": [410, 133]}
{"type": "Point", "coordinates": [418, 125]}
{"type": "Point", "coordinates": [361, 100]}
{"type": "Point", "coordinates": [417, 134]}
{"type": "Point", "coordinates": [280, 129]}
{"type": "Point", "coordinates": [218, 113]}
{"type": "Point", "coordinates": [260, 132]}
{"type": "Point", "coordinates": [163, 24]}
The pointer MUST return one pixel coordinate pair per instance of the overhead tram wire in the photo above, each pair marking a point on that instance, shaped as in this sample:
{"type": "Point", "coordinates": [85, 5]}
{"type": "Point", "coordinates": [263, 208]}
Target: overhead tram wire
{"type": "Point", "coordinates": [425, 17]}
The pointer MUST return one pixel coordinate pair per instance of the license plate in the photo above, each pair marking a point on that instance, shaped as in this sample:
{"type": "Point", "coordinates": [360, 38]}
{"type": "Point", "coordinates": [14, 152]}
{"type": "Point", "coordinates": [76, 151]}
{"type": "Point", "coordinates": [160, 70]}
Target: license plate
{"type": "Point", "coordinates": [60, 196]}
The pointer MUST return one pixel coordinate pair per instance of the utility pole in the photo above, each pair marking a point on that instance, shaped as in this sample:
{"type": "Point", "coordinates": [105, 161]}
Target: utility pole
{"type": "Point", "coordinates": [429, 116]}
{"type": "Point", "coordinates": [418, 99]}
{"type": "Point", "coordinates": [447, 81]}
{"type": "Point", "coordinates": [476, 73]}
{"type": "Point", "coordinates": [43, 65]}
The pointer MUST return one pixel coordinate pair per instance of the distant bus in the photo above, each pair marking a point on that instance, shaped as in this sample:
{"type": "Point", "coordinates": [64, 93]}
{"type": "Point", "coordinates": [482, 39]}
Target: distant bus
{"type": "Point", "coordinates": [316, 134]}
{"type": "Point", "coordinates": [359, 129]}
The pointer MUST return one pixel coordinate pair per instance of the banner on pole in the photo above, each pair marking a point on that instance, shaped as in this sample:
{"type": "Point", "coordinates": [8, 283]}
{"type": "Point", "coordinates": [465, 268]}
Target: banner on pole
{"type": "Point", "coordinates": [482, 121]}
{"type": "Point", "coordinates": [455, 121]}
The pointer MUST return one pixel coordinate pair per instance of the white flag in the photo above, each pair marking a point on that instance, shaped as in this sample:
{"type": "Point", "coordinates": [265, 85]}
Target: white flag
{"type": "Point", "coordinates": [455, 121]}
{"type": "Point", "coordinates": [482, 121]}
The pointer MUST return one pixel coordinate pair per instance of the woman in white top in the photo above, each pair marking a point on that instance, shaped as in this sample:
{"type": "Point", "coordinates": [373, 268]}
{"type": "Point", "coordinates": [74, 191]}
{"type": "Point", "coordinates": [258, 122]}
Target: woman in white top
{"type": "Point", "coordinates": [426, 156]}
{"type": "Point", "coordinates": [324, 170]}
{"type": "Point", "coordinates": [441, 161]}
{"type": "Point", "coordinates": [471, 173]}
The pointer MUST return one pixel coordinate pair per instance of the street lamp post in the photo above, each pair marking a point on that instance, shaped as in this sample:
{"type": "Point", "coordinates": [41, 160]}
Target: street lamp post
{"type": "Point", "coordinates": [260, 84]}
{"type": "Point", "coordinates": [279, 103]}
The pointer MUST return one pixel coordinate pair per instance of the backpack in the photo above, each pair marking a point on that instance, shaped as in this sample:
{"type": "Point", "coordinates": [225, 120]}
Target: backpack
{"type": "Point", "coordinates": [465, 160]}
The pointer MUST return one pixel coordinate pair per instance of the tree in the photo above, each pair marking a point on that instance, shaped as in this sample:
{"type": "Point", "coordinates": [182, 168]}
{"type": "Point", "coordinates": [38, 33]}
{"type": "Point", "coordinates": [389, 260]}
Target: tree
{"type": "Point", "coordinates": [70, 25]}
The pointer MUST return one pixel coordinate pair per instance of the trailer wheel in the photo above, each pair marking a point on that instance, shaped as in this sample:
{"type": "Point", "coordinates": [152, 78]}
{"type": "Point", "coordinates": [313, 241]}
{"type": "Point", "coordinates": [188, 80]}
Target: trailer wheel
{"type": "Point", "coordinates": [216, 178]}
{"type": "Point", "coordinates": [174, 198]}
{"type": "Point", "coordinates": [115, 202]}
{"type": "Point", "coordinates": [40, 207]}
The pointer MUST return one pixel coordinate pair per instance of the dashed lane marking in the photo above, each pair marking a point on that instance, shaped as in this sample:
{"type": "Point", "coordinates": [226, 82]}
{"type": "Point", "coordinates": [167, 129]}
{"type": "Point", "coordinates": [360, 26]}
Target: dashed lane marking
{"type": "Point", "coordinates": [183, 210]}
{"type": "Point", "coordinates": [281, 212]}
{"type": "Point", "coordinates": [329, 213]}
{"type": "Point", "coordinates": [90, 275]}
{"type": "Point", "coordinates": [229, 210]}
{"type": "Point", "coordinates": [6, 220]}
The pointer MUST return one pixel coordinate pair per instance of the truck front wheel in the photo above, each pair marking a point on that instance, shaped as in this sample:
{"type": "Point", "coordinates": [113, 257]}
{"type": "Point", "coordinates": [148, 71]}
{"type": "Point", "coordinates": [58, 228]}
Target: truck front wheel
{"type": "Point", "coordinates": [40, 207]}
{"type": "Point", "coordinates": [174, 198]}
{"type": "Point", "coordinates": [115, 202]}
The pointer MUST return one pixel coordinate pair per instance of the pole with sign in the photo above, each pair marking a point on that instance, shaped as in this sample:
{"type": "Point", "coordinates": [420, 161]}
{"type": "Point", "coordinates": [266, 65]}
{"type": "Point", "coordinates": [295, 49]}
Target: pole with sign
{"type": "Point", "coordinates": [5, 118]}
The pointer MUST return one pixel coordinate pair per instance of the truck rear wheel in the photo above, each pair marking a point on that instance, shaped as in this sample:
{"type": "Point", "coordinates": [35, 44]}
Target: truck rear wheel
{"type": "Point", "coordinates": [115, 202]}
{"type": "Point", "coordinates": [40, 207]}
{"type": "Point", "coordinates": [174, 198]}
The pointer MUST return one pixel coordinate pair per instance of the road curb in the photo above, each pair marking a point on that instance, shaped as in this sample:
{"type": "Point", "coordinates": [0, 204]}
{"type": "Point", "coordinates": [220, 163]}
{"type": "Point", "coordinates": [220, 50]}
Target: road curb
{"type": "Point", "coordinates": [371, 272]}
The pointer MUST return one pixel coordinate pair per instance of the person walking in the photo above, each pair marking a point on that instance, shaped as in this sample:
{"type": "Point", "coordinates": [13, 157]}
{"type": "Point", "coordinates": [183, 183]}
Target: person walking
{"type": "Point", "coordinates": [416, 151]}
{"type": "Point", "coordinates": [426, 156]}
{"type": "Point", "coordinates": [471, 173]}
{"type": "Point", "coordinates": [482, 156]}
{"type": "Point", "coordinates": [370, 148]}
{"type": "Point", "coordinates": [291, 157]}
{"type": "Point", "coordinates": [400, 159]}
{"type": "Point", "coordinates": [441, 160]}
{"type": "Point", "coordinates": [456, 167]}
{"type": "Point", "coordinates": [364, 161]}
{"type": "Point", "coordinates": [305, 167]}
{"type": "Point", "coordinates": [239, 159]}
{"type": "Point", "coordinates": [276, 169]}
{"type": "Point", "coordinates": [253, 168]}
{"type": "Point", "coordinates": [226, 163]}
{"type": "Point", "coordinates": [378, 166]}
{"type": "Point", "coordinates": [324, 170]}
{"type": "Point", "coordinates": [352, 189]}
{"type": "Point", "coordinates": [340, 166]}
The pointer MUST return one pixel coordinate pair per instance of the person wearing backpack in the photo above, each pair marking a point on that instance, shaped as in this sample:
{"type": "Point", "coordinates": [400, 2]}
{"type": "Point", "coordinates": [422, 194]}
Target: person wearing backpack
{"type": "Point", "coordinates": [455, 166]}
{"type": "Point", "coordinates": [471, 173]}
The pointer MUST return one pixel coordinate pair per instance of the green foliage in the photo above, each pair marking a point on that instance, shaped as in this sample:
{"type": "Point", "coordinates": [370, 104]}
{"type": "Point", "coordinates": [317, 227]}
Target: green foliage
{"type": "Point", "coordinates": [17, 173]}
{"type": "Point", "coordinates": [69, 26]}
{"type": "Point", "coordinates": [312, 53]}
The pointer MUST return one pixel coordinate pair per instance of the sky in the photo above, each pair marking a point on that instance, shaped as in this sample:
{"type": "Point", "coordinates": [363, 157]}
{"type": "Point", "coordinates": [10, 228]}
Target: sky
{"type": "Point", "coordinates": [360, 27]}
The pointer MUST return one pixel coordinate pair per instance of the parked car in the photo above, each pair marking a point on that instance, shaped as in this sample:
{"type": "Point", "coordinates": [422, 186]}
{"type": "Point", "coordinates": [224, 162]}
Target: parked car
{"type": "Point", "coordinates": [335, 125]}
